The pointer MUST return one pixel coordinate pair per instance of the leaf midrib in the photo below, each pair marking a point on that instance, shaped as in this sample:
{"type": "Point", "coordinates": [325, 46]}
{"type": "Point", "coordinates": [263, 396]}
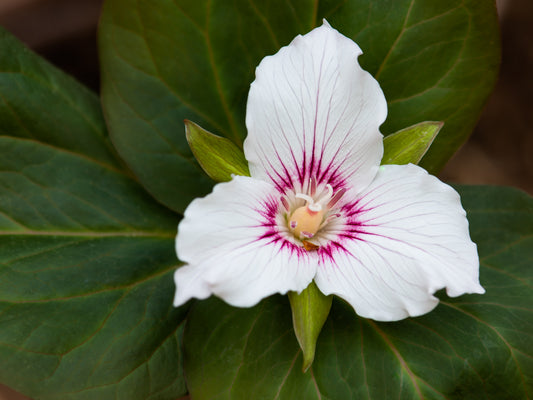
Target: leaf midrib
{"type": "Point", "coordinates": [127, 288]}
{"type": "Point", "coordinates": [72, 153]}
{"type": "Point", "coordinates": [165, 235]}
{"type": "Point", "coordinates": [404, 365]}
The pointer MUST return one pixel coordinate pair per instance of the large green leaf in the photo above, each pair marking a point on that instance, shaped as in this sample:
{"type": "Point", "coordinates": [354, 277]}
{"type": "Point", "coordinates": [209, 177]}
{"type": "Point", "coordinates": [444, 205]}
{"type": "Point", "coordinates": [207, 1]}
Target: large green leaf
{"type": "Point", "coordinates": [166, 61]}
{"type": "Point", "coordinates": [470, 347]}
{"type": "Point", "coordinates": [37, 101]}
{"type": "Point", "coordinates": [86, 263]}
{"type": "Point", "coordinates": [86, 256]}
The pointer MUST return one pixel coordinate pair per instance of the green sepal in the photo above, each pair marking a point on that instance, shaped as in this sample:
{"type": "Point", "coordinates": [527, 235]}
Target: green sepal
{"type": "Point", "coordinates": [410, 144]}
{"type": "Point", "coordinates": [217, 156]}
{"type": "Point", "coordinates": [310, 309]}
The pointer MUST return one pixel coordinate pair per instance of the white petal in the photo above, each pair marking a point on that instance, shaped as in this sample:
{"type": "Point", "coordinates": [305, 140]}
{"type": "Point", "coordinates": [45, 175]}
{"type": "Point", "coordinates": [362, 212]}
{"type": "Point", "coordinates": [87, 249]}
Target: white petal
{"type": "Point", "coordinates": [233, 249]}
{"type": "Point", "coordinates": [312, 111]}
{"type": "Point", "coordinates": [406, 238]}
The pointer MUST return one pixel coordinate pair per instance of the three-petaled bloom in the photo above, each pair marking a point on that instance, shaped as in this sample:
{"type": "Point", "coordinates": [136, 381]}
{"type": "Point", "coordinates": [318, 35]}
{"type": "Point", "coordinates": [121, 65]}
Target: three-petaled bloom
{"type": "Point", "coordinates": [318, 205]}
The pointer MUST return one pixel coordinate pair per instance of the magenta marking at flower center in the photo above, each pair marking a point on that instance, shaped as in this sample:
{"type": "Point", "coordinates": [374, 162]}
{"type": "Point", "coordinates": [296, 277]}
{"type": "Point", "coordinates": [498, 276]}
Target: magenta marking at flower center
{"type": "Point", "coordinates": [275, 214]}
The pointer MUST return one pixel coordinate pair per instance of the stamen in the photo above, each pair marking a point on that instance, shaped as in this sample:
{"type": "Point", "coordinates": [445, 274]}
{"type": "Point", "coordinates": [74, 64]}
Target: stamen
{"type": "Point", "coordinates": [325, 198]}
{"type": "Point", "coordinates": [336, 198]}
{"type": "Point", "coordinates": [284, 202]}
{"type": "Point", "coordinates": [312, 186]}
{"type": "Point", "coordinates": [293, 224]}
{"type": "Point", "coordinates": [307, 235]}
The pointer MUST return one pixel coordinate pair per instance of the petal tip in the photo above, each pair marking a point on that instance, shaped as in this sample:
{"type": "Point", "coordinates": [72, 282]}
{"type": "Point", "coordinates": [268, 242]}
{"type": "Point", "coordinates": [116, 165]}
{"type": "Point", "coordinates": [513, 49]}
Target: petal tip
{"type": "Point", "coordinates": [478, 289]}
{"type": "Point", "coordinates": [179, 299]}
{"type": "Point", "coordinates": [469, 288]}
{"type": "Point", "coordinates": [325, 23]}
{"type": "Point", "coordinates": [178, 302]}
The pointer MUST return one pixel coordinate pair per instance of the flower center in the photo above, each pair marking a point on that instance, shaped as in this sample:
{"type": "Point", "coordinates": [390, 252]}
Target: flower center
{"type": "Point", "coordinates": [306, 221]}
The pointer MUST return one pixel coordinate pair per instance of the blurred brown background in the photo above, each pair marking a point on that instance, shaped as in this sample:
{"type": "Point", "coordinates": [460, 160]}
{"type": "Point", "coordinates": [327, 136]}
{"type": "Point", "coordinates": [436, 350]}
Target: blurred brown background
{"type": "Point", "coordinates": [499, 152]}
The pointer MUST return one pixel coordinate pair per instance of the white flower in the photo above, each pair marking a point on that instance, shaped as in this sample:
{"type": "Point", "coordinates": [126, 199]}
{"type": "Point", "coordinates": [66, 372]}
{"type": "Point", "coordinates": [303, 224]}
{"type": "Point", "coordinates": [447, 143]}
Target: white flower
{"type": "Point", "coordinates": [318, 205]}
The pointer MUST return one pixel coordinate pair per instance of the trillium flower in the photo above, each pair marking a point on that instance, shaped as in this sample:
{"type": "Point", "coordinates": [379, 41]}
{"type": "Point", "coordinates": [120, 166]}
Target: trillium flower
{"type": "Point", "coordinates": [318, 205]}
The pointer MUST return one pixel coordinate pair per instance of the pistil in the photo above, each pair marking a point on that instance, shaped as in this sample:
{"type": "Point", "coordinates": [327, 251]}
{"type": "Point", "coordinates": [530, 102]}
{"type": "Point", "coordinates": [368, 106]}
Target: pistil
{"type": "Point", "coordinates": [304, 222]}
{"type": "Point", "coordinates": [307, 220]}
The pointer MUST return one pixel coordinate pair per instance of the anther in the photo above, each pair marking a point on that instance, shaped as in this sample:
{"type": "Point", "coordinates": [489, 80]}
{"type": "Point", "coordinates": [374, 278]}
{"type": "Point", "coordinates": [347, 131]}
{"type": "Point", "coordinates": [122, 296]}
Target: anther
{"type": "Point", "coordinates": [312, 186]}
{"type": "Point", "coordinates": [284, 202]}
{"type": "Point", "coordinates": [334, 200]}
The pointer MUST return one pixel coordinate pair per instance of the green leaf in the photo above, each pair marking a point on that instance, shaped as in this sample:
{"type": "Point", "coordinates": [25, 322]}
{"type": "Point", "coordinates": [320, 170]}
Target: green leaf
{"type": "Point", "coordinates": [218, 156]}
{"type": "Point", "coordinates": [410, 144]}
{"type": "Point", "coordinates": [435, 60]}
{"type": "Point", "coordinates": [86, 256]}
{"type": "Point", "coordinates": [310, 309]}
{"type": "Point", "coordinates": [470, 347]}
{"type": "Point", "coordinates": [86, 264]}
{"type": "Point", "coordinates": [39, 102]}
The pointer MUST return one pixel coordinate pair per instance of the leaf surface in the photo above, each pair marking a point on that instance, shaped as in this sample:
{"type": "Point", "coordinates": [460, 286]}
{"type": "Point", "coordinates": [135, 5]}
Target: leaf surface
{"type": "Point", "coordinates": [37, 101]}
{"type": "Point", "coordinates": [86, 263]}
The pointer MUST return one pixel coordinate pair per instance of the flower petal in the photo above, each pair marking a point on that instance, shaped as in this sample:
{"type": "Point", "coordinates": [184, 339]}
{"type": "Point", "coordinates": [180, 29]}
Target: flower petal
{"type": "Point", "coordinates": [233, 248]}
{"type": "Point", "coordinates": [312, 111]}
{"type": "Point", "coordinates": [404, 238]}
